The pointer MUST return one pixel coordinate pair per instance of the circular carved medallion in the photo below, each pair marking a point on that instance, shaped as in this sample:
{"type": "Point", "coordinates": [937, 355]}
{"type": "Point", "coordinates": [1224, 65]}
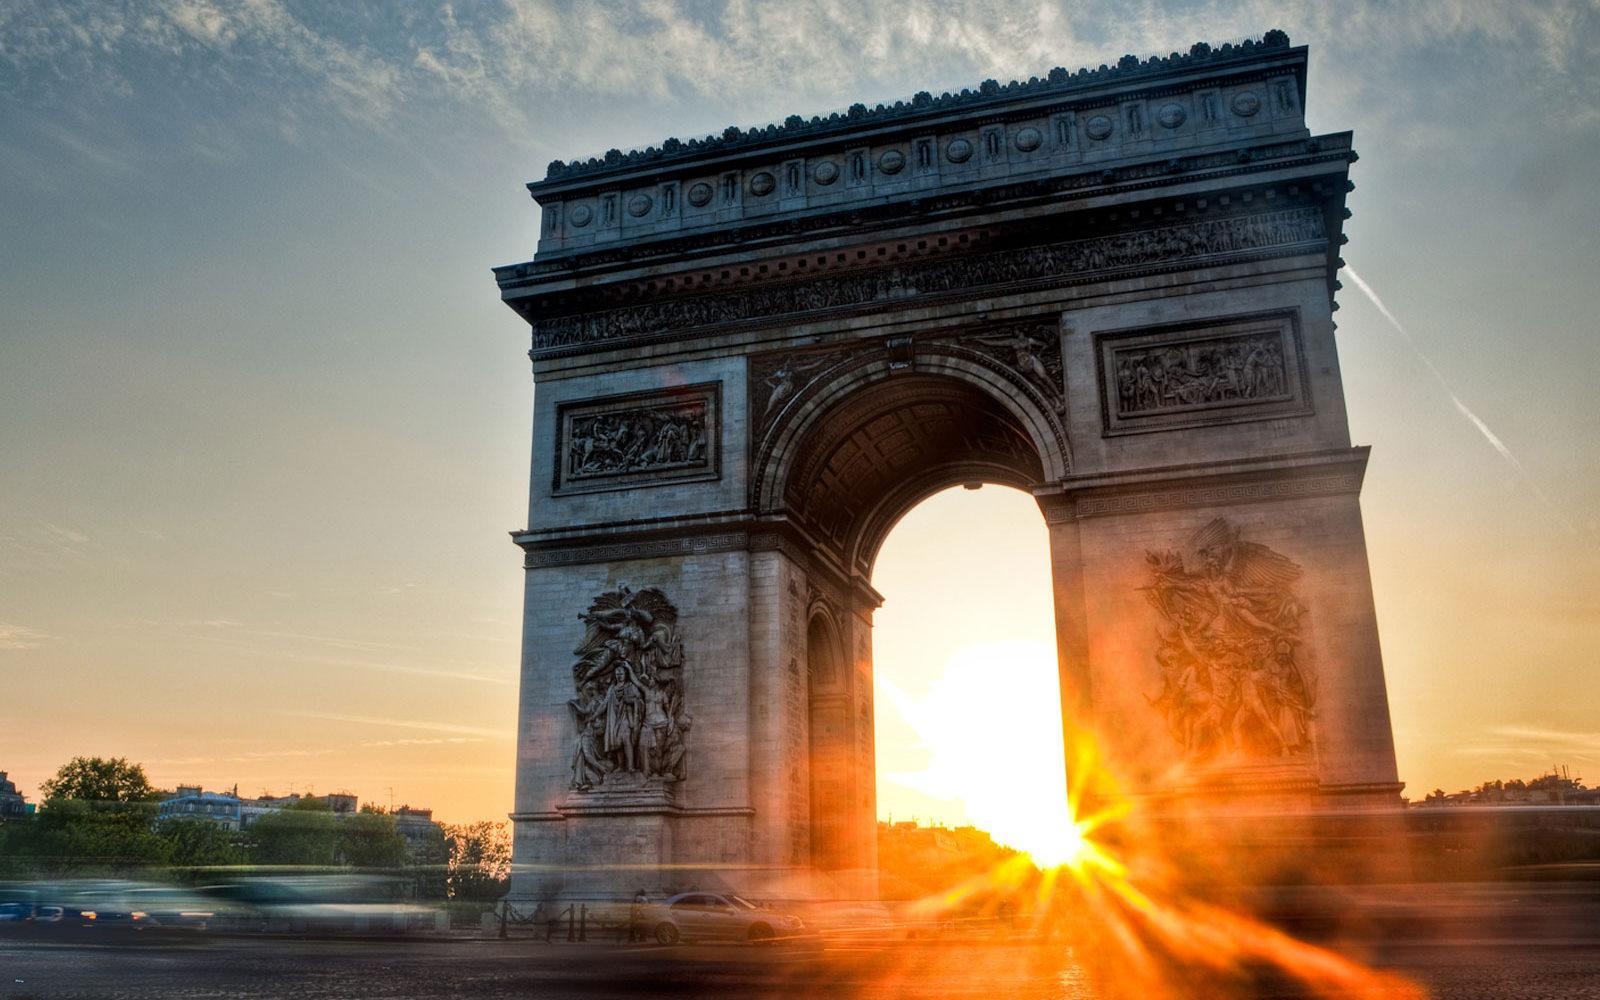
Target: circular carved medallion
{"type": "Point", "coordinates": [763, 184]}
{"type": "Point", "coordinates": [825, 173]}
{"type": "Point", "coordinates": [959, 151]}
{"type": "Point", "coordinates": [582, 216]}
{"type": "Point", "coordinates": [1172, 115]}
{"type": "Point", "coordinates": [1246, 103]}
{"type": "Point", "coordinates": [700, 195]}
{"type": "Point", "coordinates": [1097, 127]}
{"type": "Point", "coordinates": [892, 162]}
{"type": "Point", "coordinates": [1029, 139]}
{"type": "Point", "coordinates": [639, 205]}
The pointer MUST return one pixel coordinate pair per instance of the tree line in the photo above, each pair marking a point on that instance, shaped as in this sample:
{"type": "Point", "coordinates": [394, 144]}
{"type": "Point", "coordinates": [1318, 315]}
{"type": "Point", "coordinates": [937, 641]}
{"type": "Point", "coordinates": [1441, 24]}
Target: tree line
{"type": "Point", "coordinates": [99, 818]}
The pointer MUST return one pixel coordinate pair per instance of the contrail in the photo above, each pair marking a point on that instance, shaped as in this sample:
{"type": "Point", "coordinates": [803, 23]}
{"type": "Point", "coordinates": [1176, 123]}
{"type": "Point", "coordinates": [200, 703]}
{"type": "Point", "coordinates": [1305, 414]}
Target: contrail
{"type": "Point", "coordinates": [1461, 408]}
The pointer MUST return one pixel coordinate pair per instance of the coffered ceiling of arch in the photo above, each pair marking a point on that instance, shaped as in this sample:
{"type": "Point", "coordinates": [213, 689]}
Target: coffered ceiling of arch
{"type": "Point", "coordinates": [911, 428]}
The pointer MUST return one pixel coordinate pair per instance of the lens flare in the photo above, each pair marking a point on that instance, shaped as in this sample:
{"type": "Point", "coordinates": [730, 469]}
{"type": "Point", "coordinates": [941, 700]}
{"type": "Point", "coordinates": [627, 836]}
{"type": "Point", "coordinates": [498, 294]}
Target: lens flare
{"type": "Point", "coordinates": [1135, 927]}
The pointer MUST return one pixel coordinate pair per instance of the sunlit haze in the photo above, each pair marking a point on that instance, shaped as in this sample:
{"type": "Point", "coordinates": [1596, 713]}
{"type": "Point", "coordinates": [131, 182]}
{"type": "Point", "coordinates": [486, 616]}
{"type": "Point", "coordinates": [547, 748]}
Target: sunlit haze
{"type": "Point", "coordinates": [968, 705]}
{"type": "Point", "coordinates": [265, 425]}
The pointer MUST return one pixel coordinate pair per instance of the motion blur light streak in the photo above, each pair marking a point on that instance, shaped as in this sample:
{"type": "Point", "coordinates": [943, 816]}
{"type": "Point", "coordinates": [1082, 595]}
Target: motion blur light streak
{"type": "Point", "coordinates": [1146, 935]}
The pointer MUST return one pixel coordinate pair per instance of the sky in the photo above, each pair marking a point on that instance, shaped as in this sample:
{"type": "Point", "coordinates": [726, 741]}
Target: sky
{"type": "Point", "coordinates": [264, 424]}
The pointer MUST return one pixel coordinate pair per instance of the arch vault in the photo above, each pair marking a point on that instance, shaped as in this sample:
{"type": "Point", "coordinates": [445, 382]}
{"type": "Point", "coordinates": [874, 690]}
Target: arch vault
{"type": "Point", "coordinates": [755, 353]}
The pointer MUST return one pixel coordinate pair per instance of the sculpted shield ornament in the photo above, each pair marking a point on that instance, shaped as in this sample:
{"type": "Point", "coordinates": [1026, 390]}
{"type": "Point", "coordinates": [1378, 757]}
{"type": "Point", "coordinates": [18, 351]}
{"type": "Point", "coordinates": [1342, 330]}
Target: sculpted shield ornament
{"type": "Point", "coordinates": [1229, 648]}
{"type": "Point", "coordinates": [629, 678]}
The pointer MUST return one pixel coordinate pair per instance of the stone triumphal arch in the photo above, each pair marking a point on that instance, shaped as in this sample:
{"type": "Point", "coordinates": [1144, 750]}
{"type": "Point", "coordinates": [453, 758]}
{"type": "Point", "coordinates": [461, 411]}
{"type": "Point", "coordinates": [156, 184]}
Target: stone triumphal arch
{"type": "Point", "coordinates": [753, 353]}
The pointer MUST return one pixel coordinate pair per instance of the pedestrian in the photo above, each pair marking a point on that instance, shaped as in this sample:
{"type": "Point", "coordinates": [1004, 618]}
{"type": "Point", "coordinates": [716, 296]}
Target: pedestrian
{"type": "Point", "coordinates": [636, 917]}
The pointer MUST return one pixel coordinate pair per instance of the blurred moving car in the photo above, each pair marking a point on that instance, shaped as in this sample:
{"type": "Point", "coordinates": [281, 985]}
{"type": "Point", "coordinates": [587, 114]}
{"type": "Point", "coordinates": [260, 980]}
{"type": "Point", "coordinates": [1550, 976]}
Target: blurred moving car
{"type": "Point", "coordinates": [318, 904]}
{"type": "Point", "coordinates": [712, 916]}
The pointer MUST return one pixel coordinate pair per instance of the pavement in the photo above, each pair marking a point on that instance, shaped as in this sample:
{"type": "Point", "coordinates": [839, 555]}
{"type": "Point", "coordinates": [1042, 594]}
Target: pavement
{"type": "Point", "coordinates": [1479, 942]}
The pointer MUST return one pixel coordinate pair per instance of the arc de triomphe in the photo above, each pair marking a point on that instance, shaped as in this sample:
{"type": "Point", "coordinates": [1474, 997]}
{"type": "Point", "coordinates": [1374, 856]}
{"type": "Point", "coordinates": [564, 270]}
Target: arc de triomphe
{"type": "Point", "coordinates": [753, 353]}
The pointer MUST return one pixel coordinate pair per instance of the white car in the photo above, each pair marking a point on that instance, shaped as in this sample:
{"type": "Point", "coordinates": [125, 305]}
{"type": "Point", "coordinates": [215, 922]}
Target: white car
{"type": "Point", "coordinates": [712, 916]}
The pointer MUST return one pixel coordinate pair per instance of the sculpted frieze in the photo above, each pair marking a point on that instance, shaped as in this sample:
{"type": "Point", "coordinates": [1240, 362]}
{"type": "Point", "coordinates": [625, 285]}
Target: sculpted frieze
{"type": "Point", "coordinates": [636, 439]}
{"type": "Point", "coordinates": [1215, 370]}
{"type": "Point", "coordinates": [1228, 370]}
{"type": "Point", "coordinates": [1229, 646]}
{"type": "Point", "coordinates": [1031, 352]}
{"type": "Point", "coordinates": [961, 277]}
{"type": "Point", "coordinates": [629, 709]}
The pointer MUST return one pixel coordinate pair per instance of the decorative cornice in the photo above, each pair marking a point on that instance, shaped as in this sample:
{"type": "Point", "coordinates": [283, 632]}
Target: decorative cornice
{"type": "Point", "coordinates": [1225, 239]}
{"type": "Point", "coordinates": [1331, 473]}
{"type": "Point", "coordinates": [1103, 178]}
{"type": "Point", "coordinates": [1227, 493]}
{"type": "Point", "coordinates": [988, 95]}
{"type": "Point", "coordinates": [578, 553]}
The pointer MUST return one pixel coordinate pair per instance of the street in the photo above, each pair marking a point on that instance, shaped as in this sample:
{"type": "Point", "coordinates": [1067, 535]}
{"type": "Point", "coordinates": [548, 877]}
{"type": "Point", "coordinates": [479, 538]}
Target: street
{"type": "Point", "coordinates": [1503, 968]}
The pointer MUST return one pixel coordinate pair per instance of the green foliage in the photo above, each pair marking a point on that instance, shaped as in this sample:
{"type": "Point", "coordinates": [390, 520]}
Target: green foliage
{"type": "Point", "coordinates": [73, 837]}
{"type": "Point", "coordinates": [368, 840]}
{"type": "Point", "coordinates": [479, 866]}
{"type": "Point", "coordinates": [199, 843]}
{"type": "Point", "coordinates": [100, 779]}
{"type": "Point", "coordinates": [430, 860]}
{"type": "Point", "coordinates": [299, 834]}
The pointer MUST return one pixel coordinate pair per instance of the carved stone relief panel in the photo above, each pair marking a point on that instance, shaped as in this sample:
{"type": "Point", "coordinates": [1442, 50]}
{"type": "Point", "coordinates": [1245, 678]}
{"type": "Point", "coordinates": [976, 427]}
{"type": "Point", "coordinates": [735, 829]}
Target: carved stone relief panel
{"type": "Point", "coordinates": [1234, 687]}
{"type": "Point", "coordinates": [629, 710]}
{"type": "Point", "coordinates": [1247, 368]}
{"type": "Point", "coordinates": [1030, 352]}
{"type": "Point", "coordinates": [638, 439]}
{"type": "Point", "coordinates": [777, 379]}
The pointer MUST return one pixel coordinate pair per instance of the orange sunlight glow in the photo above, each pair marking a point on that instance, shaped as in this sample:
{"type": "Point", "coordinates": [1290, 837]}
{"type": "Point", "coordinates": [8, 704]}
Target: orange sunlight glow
{"type": "Point", "coordinates": [991, 726]}
{"type": "Point", "coordinates": [1134, 926]}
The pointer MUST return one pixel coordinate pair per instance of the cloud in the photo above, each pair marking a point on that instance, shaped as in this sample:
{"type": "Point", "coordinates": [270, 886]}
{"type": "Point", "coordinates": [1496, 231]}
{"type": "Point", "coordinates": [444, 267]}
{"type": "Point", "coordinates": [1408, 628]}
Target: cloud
{"type": "Point", "coordinates": [21, 637]}
{"type": "Point", "coordinates": [508, 61]}
{"type": "Point", "coordinates": [421, 725]}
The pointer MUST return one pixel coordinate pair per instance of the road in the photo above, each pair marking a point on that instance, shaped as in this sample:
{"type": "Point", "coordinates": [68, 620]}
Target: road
{"type": "Point", "coordinates": [335, 970]}
{"type": "Point", "coordinates": [1480, 941]}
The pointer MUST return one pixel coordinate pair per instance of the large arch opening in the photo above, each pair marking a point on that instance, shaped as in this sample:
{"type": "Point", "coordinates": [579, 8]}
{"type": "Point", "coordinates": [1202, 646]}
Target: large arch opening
{"type": "Point", "coordinates": [869, 458]}
{"type": "Point", "coordinates": [968, 725]}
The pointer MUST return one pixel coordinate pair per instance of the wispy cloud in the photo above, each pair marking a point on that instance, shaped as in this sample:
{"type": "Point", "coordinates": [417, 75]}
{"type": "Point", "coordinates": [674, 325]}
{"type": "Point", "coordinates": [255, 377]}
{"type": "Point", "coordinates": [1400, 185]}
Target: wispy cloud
{"type": "Point", "coordinates": [21, 637]}
{"type": "Point", "coordinates": [420, 725]}
{"type": "Point", "coordinates": [508, 60]}
{"type": "Point", "coordinates": [1462, 408]}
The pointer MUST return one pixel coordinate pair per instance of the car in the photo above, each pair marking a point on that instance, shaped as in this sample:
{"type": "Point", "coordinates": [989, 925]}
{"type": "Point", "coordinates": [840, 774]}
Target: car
{"type": "Point", "coordinates": [712, 916]}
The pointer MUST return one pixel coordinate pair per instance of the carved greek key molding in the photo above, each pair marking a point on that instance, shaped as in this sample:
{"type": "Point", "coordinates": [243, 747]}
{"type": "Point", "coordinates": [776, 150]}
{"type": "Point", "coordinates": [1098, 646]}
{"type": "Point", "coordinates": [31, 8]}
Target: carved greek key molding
{"type": "Point", "coordinates": [574, 555]}
{"type": "Point", "coordinates": [1058, 263]}
{"type": "Point", "coordinates": [1206, 496]}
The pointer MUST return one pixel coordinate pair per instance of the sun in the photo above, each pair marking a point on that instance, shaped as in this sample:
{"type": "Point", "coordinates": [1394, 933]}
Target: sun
{"type": "Point", "coordinates": [990, 727]}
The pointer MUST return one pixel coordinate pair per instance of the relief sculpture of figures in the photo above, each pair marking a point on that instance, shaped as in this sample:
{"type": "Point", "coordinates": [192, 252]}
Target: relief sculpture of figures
{"type": "Point", "coordinates": [1232, 685]}
{"type": "Point", "coordinates": [629, 677]}
{"type": "Point", "coordinates": [1231, 369]}
{"type": "Point", "coordinates": [1034, 359]}
{"type": "Point", "coordinates": [664, 437]}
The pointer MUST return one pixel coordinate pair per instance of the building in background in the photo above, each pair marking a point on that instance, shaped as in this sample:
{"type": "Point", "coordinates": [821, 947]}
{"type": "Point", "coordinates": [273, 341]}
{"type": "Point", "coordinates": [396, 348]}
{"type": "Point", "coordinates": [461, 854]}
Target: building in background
{"type": "Point", "coordinates": [12, 802]}
{"type": "Point", "coordinates": [229, 810]}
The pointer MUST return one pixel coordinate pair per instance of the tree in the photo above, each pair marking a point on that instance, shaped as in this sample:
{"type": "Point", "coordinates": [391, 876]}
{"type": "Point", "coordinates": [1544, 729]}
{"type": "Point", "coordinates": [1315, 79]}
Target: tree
{"type": "Point", "coordinates": [198, 843]}
{"type": "Point", "coordinates": [100, 779]}
{"type": "Point", "coordinates": [368, 840]}
{"type": "Point", "coordinates": [73, 837]}
{"type": "Point", "coordinates": [301, 834]}
{"type": "Point", "coordinates": [480, 860]}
